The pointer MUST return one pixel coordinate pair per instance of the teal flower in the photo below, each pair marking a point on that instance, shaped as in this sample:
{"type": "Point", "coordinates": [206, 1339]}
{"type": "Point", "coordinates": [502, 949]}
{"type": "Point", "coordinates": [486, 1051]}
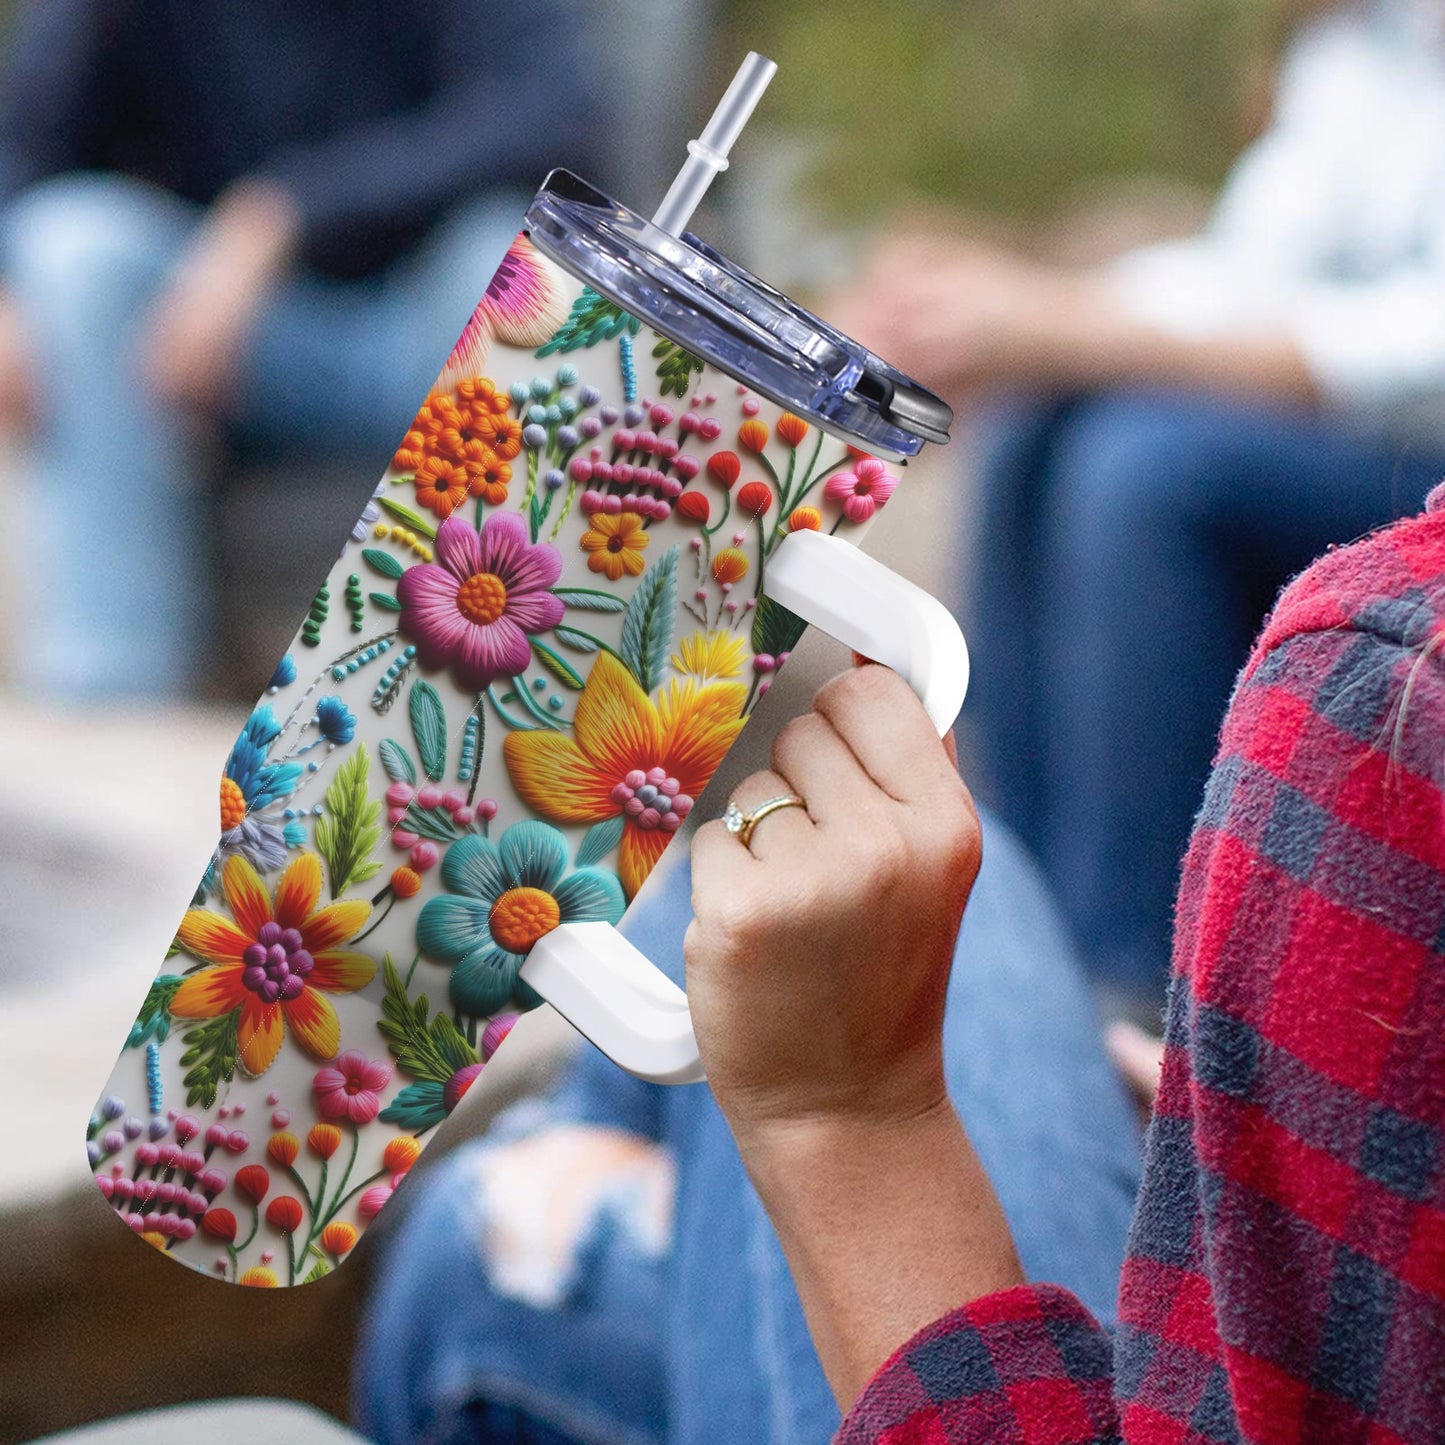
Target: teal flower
{"type": "Point", "coordinates": [504, 897]}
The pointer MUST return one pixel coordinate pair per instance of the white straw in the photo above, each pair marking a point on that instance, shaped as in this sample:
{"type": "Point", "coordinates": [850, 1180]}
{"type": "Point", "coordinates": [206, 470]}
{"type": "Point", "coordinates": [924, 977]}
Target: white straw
{"type": "Point", "coordinates": [708, 155]}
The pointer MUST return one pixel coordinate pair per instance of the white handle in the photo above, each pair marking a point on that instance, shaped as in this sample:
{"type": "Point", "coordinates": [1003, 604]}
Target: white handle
{"type": "Point", "coordinates": [608, 990]}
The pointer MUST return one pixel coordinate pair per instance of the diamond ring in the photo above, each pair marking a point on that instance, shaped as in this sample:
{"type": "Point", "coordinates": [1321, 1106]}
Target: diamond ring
{"type": "Point", "coordinates": [741, 824]}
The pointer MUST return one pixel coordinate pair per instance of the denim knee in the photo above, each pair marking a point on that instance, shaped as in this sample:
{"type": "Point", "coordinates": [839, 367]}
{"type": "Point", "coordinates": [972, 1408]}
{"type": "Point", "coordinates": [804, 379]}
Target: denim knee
{"type": "Point", "coordinates": [1131, 463]}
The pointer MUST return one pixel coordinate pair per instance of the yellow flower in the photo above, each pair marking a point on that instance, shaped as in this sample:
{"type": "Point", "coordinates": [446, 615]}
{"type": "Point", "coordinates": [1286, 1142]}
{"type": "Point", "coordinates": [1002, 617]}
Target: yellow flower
{"type": "Point", "coordinates": [338, 1237]}
{"type": "Point", "coordinates": [710, 656]}
{"type": "Point", "coordinates": [729, 566]}
{"type": "Point", "coordinates": [260, 1278]}
{"type": "Point", "coordinates": [246, 974]}
{"type": "Point", "coordinates": [283, 1148]}
{"type": "Point", "coordinates": [616, 544]}
{"type": "Point", "coordinates": [628, 756]}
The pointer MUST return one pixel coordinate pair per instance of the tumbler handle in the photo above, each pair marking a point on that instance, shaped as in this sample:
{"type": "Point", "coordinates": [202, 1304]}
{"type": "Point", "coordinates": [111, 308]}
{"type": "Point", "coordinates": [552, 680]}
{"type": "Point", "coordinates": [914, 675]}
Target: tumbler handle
{"type": "Point", "coordinates": [594, 977]}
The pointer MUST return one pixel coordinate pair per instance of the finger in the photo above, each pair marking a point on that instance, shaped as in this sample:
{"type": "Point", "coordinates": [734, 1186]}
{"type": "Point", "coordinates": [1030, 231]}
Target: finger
{"type": "Point", "coordinates": [882, 721]}
{"type": "Point", "coordinates": [826, 773]}
{"type": "Point", "coordinates": [783, 831]}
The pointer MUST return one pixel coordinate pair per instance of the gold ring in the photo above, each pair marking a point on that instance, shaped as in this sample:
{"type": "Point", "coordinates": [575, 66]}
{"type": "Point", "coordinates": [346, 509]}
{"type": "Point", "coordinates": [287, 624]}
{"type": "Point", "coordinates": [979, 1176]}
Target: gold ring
{"type": "Point", "coordinates": [741, 824]}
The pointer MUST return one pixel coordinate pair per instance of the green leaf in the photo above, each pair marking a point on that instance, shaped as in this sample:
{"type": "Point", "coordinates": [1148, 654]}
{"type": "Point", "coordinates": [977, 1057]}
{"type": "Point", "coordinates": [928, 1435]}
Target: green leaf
{"type": "Point", "coordinates": [319, 1270]}
{"type": "Point", "coordinates": [593, 318]}
{"type": "Point", "coordinates": [600, 840]}
{"type": "Point", "coordinates": [432, 1052]}
{"type": "Point", "coordinates": [775, 629]}
{"type": "Point", "coordinates": [433, 823]}
{"type": "Point", "coordinates": [534, 514]}
{"type": "Point", "coordinates": [397, 762]}
{"type": "Point", "coordinates": [153, 1020]}
{"type": "Point", "coordinates": [385, 600]}
{"type": "Point", "coordinates": [589, 599]}
{"type": "Point", "coordinates": [384, 562]}
{"type": "Point", "coordinates": [559, 667]}
{"type": "Point", "coordinates": [414, 520]}
{"type": "Point", "coordinates": [429, 724]}
{"type": "Point", "coordinates": [451, 1047]}
{"type": "Point", "coordinates": [578, 641]}
{"type": "Point", "coordinates": [675, 367]}
{"type": "Point", "coordinates": [648, 626]}
{"type": "Point", "coordinates": [350, 829]}
{"type": "Point", "coordinates": [210, 1057]}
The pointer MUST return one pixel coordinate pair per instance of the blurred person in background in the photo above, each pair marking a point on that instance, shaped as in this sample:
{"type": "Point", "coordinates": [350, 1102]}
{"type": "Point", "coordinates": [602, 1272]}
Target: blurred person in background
{"type": "Point", "coordinates": [1165, 441]}
{"type": "Point", "coordinates": [259, 224]}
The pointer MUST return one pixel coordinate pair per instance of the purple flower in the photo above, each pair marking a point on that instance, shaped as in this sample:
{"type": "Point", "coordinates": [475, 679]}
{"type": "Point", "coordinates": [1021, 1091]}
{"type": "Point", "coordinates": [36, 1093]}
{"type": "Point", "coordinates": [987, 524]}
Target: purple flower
{"type": "Point", "coordinates": [472, 609]}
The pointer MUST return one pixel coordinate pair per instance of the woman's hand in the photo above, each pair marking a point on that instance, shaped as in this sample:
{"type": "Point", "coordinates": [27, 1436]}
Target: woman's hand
{"type": "Point", "coordinates": [817, 967]}
{"type": "Point", "coordinates": [199, 324]}
{"type": "Point", "coordinates": [819, 957]}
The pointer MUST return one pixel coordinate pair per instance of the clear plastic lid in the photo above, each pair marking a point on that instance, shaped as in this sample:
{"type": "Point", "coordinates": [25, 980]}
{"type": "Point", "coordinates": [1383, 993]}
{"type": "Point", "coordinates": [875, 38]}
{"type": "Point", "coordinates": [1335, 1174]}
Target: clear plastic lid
{"type": "Point", "coordinates": [695, 296]}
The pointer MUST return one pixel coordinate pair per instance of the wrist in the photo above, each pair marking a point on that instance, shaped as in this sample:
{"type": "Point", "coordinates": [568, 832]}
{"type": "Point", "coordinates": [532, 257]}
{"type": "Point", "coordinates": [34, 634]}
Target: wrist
{"type": "Point", "coordinates": [789, 1157]}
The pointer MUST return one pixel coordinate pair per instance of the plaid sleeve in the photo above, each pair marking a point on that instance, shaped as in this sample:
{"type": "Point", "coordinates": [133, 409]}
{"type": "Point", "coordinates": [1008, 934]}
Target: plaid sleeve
{"type": "Point", "coordinates": [1287, 1268]}
{"type": "Point", "coordinates": [1027, 1366]}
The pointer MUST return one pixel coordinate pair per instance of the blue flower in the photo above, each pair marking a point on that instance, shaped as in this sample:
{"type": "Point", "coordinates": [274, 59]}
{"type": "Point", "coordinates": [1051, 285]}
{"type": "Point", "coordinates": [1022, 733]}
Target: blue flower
{"type": "Point", "coordinates": [505, 895]}
{"type": "Point", "coordinates": [284, 675]}
{"type": "Point", "coordinates": [335, 721]}
{"type": "Point", "coordinates": [252, 785]}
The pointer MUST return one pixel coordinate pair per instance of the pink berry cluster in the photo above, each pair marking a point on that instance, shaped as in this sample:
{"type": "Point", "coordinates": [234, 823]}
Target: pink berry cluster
{"type": "Point", "coordinates": [652, 799]}
{"type": "Point", "coordinates": [170, 1187]}
{"type": "Point", "coordinates": [646, 471]}
{"type": "Point", "coordinates": [405, 805]}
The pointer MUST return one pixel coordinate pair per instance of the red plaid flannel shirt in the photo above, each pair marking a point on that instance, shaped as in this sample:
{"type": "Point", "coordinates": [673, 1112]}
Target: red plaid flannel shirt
{"type": "Point", "coordinates": [1286, 1272]}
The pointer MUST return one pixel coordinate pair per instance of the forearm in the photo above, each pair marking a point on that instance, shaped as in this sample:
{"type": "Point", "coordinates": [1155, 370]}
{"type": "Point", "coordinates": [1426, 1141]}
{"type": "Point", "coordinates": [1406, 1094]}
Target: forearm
{"type": "Point", "coordinates": [1100, 345]}
{"type": "Point", "coordinates": [886, 1226]}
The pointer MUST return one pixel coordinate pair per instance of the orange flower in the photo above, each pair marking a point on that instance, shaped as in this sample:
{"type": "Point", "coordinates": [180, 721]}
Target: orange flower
{"type": "Point", "coordinates": [459, 446]}
{"type": "Point", "coordinates": [622, 743]}
{"type": "Point", "coordinates": [219, 1224]}
{"type": "Point", "coordinates": [481, 392]}
{"type": "Point", "coordinates": [274, 992]}
{"type": "Point", "coordinates": [729, 565]}
{"type": "Point", "coordinates": [441, 485]}
{"type": "Point", "coordinates": [253, 1181]}
{"type": "Point", "coordinates": [283, 1148]}
{"type": "Point", "coordinates": [260, 1278]}
{"type": "Point", "coordinates": [401, 1153]}
{"type": "Point", "coordinates": [405, 882]}
{"type": "Point", "coordinates": [338, 1237]}
{"type": "Point", "coordinates": [753, 435]}
{"type": "Point", "coordinates": [616, 544]}
{"type": "Point", "coordinates": [155, 1238]}
{"type": "Point", "coordinates": [723, 468]}
{"type": "Point", "coordinates": [805, 519]}
{"type": "Point", "coordinates": [792, 428]}
{"type": "Point", "coordinates": [285, 1213]}
{"type": "Point", "coordinates": [755, 498]}
{"type": "Point", "coordinates": [324, 1140]}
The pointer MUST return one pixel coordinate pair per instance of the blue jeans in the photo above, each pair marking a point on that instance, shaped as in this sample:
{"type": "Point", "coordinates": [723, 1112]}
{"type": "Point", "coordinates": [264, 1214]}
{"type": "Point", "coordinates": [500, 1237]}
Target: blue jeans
{"type": "Point", "coordinates": [112, 572]}
{"type": "Point", "coordinates": [704, 1341]}
{"type": "Point", "coordinates": [1130, 544]}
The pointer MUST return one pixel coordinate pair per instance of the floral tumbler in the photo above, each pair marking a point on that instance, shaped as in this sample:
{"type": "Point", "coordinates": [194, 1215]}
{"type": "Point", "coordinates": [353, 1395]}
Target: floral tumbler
{"type": "Point", "coordinates": [638, 472]}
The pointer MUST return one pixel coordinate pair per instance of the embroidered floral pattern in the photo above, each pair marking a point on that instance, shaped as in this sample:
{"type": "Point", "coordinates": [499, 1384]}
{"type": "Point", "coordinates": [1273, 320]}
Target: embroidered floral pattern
{"type": "Point", "coordinates": [544, 633]}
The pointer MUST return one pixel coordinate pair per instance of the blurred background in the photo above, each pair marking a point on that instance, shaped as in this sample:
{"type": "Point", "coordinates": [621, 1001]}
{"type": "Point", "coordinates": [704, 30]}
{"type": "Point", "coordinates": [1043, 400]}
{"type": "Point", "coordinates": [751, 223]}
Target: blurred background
{"type": "Point", "coordinates": [228, 298]}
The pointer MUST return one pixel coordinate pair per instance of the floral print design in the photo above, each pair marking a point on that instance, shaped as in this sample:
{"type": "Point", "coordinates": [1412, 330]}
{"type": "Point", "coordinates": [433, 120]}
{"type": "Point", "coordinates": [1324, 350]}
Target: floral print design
{"type": "Point", "coordinates": [544, 632]}
{"type": "Point", "coordinates": [271, 961]}
{"type": "Point", "coordinates": [473, 608]}
{"type": "Point", "coordinates": [630, 758]}
{"type": "Point", "coordinates": [504, 897]}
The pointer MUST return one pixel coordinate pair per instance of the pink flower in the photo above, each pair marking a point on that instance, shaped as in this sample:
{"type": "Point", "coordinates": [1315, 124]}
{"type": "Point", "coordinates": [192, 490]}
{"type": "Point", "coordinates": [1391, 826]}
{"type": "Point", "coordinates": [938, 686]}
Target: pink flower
{"type": "Point", "coordinates": [473, 608]}
{"type": "Point", "coordinates": [524, 304]}
{"type": "Point", "coordinates": [861, 491]}
{"type": "Point", "coordinates": [351, 1087]}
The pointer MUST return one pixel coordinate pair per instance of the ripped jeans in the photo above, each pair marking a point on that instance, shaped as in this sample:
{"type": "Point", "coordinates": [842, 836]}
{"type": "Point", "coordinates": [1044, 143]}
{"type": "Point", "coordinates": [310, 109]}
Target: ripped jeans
{"type": "Point", "coordinates": [554, 1284]}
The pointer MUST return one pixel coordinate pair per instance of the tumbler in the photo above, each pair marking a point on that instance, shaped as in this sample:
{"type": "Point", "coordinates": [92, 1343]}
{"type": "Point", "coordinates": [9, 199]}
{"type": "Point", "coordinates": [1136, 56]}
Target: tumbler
{"type": "Point", "coordinates": [639, 475]}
